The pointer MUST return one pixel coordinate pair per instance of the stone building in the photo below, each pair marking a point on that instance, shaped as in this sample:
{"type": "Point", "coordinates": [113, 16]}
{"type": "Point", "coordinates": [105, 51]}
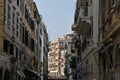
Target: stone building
{"type": "Point", "coordinates": [18, 21]}
{"type": "Point", "coordinates": [109, 39]}
{"type": "Point", "coordinates": [85, 28]}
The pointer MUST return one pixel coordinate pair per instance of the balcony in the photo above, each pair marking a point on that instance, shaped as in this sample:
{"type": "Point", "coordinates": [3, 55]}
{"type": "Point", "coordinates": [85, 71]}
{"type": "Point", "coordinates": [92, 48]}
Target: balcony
{"type": "Point", "coordinates": [84, 20]}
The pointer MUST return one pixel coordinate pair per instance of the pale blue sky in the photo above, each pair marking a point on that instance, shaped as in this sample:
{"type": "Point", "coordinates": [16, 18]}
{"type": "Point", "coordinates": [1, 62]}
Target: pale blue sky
{"type": "Point", "coordinates": [58, 16]}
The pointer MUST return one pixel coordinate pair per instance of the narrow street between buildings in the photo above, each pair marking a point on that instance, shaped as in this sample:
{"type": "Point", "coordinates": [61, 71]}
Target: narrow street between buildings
{"type": "Point", "coordinates": [90, 52]}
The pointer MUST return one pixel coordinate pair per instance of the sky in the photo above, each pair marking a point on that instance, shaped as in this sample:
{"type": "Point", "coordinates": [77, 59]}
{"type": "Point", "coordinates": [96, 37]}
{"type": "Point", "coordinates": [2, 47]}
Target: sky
{"type": "Point", "coordinates": [58, 16]}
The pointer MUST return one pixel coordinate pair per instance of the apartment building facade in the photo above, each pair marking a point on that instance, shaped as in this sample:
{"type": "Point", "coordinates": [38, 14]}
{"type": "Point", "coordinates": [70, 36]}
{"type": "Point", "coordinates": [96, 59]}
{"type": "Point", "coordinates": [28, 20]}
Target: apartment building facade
{"type": "Point", "coordinates": [19, 19]}
{"type": "Point", "coordinates": [85, 28]}
{"type": "Point", "coordinates": [56, 56]}
{"type": "Point", "coordinates": [53, 57]}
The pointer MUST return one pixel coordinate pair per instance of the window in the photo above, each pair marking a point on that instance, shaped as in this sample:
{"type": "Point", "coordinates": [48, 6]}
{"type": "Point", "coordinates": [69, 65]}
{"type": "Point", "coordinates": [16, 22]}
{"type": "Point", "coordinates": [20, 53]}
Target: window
{"type": "Point", "coordinates": [4, 11]}
{"type": "Point", "coordinates": [11, 49]}
{"type": "Point", "coordinates": [9, 17]}
{"type": "Point", "coordinates": [17, 2]}
{"type": "Point", "coordinates": [6, 46]}
{"type": "Point", "coordinates": [21, 32]}
{"type": "Point", "coordinates": [20, 55]}
{"type": "Point", "coordinates": [86, 9]}
{"type": "Point", "coordinates": [21, 7]}
{"type": "Point", "coordinates": [40, 42]}
{"type": "Point", "coordinates": [26, 37]}
{"type": "Point", "coordinates": [17, 27]}
{"type": "Point", "coordinates": [103, 10]}
{"type": "Point", "coordinates": [32, 44]}
{"type": "Point", "coordinates": [35, 14]}
{"type": "Point", "coordinates": [13, 23]}
{"type": "Point", "coordinates": [32, 24]}
{"type": "Point", "coordinates": [109, 22]}
{"type": "Point", "coordinates": [17, 53]}
{"type": "Point", "coordinates": [29, 45]}
{"type": "Point", "coordinates": [26, 13]}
